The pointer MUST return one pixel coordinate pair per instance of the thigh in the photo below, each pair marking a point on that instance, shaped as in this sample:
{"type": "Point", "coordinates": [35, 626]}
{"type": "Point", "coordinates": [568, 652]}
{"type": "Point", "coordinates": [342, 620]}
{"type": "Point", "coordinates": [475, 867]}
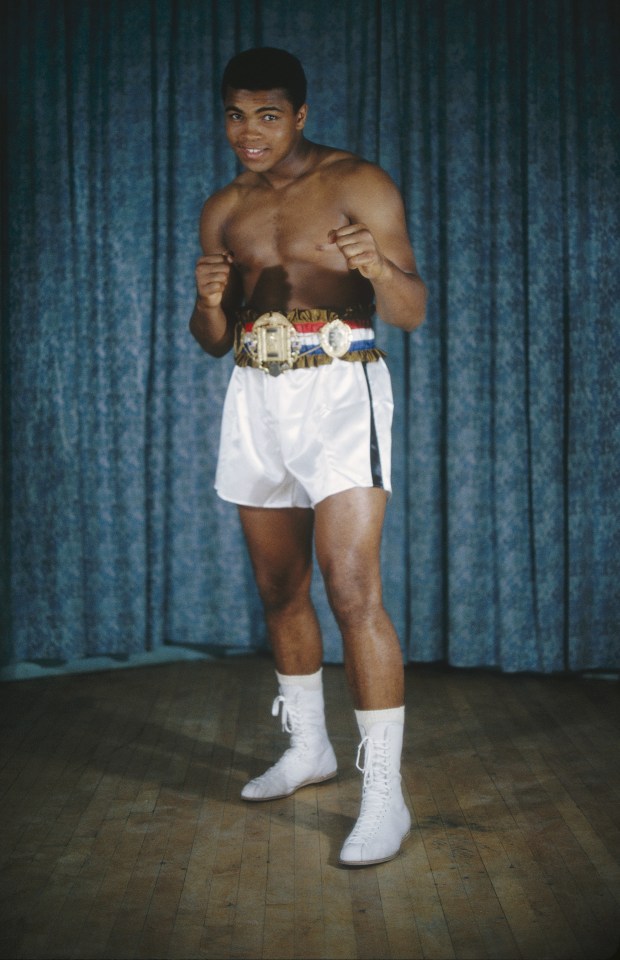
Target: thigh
{"type": "Point", "coordinates": [348, 529]}
{"type": "Point", "coordinates": [280, 546]}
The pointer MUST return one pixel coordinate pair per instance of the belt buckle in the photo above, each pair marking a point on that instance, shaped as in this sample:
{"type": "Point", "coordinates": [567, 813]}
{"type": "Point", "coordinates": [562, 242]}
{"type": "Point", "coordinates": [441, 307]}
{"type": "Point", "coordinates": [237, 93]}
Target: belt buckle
{"type": "Point", "coordinates": [336, 337]}
{"type": "Point", "coordinates": [272, 343]}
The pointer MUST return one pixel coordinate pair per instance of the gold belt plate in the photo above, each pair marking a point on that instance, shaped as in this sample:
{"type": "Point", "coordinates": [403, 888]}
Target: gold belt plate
{"type": "Point", "coordinates": [272, 343]}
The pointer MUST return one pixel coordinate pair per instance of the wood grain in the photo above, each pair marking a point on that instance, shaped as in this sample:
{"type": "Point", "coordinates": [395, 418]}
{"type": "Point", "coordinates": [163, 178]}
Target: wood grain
{"type": "Point", "coordinates": [123, 835]}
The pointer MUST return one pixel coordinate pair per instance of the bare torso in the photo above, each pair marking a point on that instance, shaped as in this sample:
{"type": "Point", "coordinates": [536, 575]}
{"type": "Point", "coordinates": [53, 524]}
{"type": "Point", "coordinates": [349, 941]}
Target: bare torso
{"type": "Point", "coordinates": [279, 236]}
{"type": "Point", "coordinates": [309, 226]}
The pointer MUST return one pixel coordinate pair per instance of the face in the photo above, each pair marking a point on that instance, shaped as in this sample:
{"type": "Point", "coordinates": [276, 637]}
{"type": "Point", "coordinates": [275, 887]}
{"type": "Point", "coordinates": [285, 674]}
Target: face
{"type": "Point", "coordinates": [262, 127]}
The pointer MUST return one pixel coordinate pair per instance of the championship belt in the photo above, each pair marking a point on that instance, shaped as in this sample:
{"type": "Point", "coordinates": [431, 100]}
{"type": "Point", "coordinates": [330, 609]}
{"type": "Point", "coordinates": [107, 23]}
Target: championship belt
{"type": "Point", "coordinates": [274, 344]}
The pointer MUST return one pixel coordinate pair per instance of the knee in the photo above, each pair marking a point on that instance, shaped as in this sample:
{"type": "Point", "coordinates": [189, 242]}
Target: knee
{"type": "Point", "coordinates": [281, 592]}
{"type": "Point", "coordinates": [353, 595]}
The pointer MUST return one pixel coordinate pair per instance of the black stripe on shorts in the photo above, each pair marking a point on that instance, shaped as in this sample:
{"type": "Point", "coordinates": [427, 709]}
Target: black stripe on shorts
{"type": "Point", "coordinates": [375, 457]}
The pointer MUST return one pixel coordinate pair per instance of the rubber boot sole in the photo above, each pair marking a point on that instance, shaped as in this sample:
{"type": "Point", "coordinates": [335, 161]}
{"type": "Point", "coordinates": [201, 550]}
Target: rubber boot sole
{"type": "Point", "coordinates": [371, 863]}
{"type": "Point", "coordinates": [281, 796]}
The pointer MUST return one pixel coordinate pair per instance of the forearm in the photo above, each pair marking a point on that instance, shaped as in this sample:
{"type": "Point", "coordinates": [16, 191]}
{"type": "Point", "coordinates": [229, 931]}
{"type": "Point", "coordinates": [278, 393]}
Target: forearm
{"type": "Point", "coordinates": [211, 328]}
{"type": "Point", "coordinates": [400, 298]}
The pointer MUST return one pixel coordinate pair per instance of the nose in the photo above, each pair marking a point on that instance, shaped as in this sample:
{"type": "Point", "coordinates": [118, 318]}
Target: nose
{"type": "Point", "coordinates": [250, 130]}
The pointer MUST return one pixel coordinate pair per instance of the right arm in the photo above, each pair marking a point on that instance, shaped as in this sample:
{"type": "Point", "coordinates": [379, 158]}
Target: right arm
{"type": "Point", "coordinates": [218, 289]}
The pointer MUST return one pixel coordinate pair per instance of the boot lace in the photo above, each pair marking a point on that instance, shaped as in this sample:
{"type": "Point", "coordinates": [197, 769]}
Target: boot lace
{"type": "Point", "coordinates": [290, 718]}
{"type": "Point", "coordinates": [376, 790]}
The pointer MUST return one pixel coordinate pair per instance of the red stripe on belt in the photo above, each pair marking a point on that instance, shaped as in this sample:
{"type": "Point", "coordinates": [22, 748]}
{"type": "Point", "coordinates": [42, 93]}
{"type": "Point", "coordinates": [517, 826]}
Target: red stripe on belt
{"type": "Point", "coordinates": [313, 326]}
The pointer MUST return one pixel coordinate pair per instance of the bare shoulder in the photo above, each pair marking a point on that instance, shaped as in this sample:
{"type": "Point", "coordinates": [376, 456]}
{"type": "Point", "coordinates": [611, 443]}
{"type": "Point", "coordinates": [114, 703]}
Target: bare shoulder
{"type": "Point", "coordinates": [350, 166]}
{"type": "Point", "coordinates": [360, 175]}
{"type": "Point", "coordinates": [215, 212]}
{"type": "Point", "coordinates": [360, 181]}
{"type": "Point", "coordinates": [220, 203]}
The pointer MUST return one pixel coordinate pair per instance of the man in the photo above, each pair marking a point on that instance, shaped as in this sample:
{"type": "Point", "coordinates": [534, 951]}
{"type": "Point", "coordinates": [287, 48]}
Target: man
{"type": "Point", "coordinates": [296, 249]}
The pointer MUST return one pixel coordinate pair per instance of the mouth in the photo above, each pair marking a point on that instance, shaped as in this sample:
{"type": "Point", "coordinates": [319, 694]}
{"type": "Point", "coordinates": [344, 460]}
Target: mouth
{"type": "Point", "coordinates": [251, 153]}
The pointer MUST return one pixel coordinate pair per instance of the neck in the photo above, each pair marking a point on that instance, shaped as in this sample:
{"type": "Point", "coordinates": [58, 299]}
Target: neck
{"type": "Point", "coordinates": [300, 160]}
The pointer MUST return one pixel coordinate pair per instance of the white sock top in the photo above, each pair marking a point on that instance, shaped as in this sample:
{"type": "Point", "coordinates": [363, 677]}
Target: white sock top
{"type": "Point", "coordinates": [367, 718]}
{"type": "Point", "coordinates": [309, 681]}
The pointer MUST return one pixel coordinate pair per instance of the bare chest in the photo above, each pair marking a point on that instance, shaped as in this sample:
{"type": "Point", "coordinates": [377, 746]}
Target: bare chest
{"type": "Point", "coordinates": [285, 226]}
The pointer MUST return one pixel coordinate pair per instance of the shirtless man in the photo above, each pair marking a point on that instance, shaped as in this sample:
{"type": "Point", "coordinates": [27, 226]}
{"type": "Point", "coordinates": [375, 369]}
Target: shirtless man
{"type": "Point", "coordinates": [305, 452]}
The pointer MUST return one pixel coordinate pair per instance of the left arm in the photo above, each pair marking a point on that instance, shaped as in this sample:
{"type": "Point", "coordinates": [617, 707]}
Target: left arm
{"type": "Point", "coordinates": [376, 244]}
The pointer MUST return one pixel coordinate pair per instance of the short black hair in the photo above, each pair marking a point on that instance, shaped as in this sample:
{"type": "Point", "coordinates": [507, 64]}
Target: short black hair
{"type": "Point", "coordinates": [266, 68]}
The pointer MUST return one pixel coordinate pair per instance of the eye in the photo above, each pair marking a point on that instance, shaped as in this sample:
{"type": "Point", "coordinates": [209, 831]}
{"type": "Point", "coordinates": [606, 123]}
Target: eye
{"type": "Point", "coordinates": [270, 116]}
{"type": "Point", "coordinates": [235, 117]}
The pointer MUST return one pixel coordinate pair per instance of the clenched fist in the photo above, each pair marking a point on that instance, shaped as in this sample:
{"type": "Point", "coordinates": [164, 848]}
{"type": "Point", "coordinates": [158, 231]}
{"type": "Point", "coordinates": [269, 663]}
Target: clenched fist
{"type": "Point", "coordinates": [359, 248]}
{"type": "Point", "coordinates": [212, 272]}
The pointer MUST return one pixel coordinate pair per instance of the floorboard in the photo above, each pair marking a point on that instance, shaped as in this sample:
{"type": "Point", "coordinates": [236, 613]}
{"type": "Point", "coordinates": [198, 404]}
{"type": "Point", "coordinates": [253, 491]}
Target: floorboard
{"type": "Point", "coordinates": [123, 835]}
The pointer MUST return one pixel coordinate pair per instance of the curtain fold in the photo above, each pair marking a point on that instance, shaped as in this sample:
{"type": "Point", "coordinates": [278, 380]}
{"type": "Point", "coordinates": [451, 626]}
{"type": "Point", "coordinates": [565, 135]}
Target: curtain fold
{"type": "Point", "coordinates": [499, 120]}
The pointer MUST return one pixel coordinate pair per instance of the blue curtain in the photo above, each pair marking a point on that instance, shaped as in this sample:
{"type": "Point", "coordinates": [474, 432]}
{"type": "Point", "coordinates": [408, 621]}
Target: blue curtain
{"type": "Point", "coordinates": [500, 122]}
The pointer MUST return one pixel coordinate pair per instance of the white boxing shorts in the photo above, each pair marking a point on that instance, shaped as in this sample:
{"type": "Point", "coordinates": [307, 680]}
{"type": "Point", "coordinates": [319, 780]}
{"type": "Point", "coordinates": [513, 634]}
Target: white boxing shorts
{"type": "Point", "coordinates": [292, 440]}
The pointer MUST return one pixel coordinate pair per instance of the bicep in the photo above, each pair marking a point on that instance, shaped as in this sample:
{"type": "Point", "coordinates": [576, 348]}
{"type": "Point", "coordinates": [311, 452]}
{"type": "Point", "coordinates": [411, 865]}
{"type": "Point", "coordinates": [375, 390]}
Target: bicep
{"type": "Point", "coordinates": [212, 240]}
{"type": "Point", "coordinates": [210, 231]}
{"type": "Point", "coordinates": [379, 205]}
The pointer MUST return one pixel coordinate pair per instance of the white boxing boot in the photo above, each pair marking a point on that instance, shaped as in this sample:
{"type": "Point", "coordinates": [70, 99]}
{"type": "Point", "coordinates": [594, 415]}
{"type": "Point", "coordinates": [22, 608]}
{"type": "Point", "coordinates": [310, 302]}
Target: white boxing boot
{"type": "Point", "coordinates": [384, 820]}
{"type": "Point", "coordinates": [310, 757]}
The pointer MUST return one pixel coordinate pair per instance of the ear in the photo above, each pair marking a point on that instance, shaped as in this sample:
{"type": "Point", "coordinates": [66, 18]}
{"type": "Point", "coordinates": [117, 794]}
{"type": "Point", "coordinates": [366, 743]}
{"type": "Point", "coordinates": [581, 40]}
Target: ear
{"type": "Point", "coordinates": [300, 119]}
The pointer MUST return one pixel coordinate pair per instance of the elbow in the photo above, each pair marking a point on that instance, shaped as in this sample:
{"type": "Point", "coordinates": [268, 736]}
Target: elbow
{"type": "Point", "coordinates": [416, 321]}
{"type": "Point", "coordinates": [198, 334]}
{"type": "Point", "coordinates": [215, 348]}
{"type": "Point", "coordinates": [418, 314]}
{"type": "Point", "coordinates": [419, 321]}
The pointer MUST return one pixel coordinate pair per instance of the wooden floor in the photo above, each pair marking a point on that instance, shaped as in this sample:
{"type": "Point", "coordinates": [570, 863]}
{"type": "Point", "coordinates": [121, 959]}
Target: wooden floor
{"type": "Point", "coordinates": [122, 833]}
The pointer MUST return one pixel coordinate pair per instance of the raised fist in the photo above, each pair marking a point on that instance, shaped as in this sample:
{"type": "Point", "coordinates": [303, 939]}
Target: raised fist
{"type": "Point", "coordinates": [212, 272]}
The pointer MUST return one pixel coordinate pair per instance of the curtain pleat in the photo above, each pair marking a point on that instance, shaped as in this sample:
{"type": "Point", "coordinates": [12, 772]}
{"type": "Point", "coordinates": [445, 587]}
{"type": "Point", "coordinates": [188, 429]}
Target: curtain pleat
{"type": "Point", "coordinates": [499, 120]}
